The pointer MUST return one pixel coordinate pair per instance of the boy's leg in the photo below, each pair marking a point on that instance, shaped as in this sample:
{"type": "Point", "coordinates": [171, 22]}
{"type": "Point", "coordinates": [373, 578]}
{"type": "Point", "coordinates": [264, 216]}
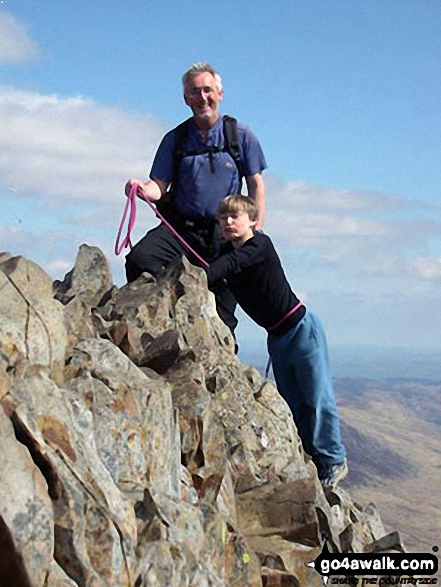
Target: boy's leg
{"type": "Point", "coordinates": [302, 373]}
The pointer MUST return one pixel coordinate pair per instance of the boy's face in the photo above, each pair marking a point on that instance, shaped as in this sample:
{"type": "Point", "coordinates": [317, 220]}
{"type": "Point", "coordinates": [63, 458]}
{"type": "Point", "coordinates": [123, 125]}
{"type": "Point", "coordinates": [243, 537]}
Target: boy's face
{"type": "Point", "coordinates": [236, 226]}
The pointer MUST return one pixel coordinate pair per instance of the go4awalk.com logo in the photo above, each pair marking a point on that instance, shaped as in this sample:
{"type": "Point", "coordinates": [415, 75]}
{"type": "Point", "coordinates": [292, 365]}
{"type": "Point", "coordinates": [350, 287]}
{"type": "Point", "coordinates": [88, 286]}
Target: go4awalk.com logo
{"type": "Point", "coordinates": [358, 569]}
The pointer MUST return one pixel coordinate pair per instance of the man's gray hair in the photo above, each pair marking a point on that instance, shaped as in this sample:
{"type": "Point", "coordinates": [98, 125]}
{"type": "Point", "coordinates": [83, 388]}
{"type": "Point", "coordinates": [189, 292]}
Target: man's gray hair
{"type": "Point", "coordinates": [202, 67]}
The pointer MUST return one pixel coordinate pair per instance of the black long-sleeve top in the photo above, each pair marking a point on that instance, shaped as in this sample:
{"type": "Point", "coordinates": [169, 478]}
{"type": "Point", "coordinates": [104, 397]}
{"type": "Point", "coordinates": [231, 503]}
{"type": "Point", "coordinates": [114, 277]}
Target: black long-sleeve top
{"type": "Point", "coordinates": [256, 278]}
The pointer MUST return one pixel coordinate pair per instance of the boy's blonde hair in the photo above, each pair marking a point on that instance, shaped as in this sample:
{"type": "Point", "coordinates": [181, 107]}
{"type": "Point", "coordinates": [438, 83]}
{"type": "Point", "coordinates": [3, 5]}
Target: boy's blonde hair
{"type": "Point", "coordinates": [238, 203]}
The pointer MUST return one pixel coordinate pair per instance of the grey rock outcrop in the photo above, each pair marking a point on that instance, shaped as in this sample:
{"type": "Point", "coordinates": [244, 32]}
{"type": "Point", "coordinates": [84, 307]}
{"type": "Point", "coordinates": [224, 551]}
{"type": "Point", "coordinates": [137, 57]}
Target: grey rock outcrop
{"type": "Point", "coordinates": [32, 322]}
{"type": "Point", "coordinates": [136, 450]}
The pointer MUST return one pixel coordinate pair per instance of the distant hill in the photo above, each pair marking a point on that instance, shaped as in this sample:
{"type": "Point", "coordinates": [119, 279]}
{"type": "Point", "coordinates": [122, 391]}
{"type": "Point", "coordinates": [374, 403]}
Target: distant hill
{"type": "Point", "coordinates": [392, 431]}
{"type": "Point", "coordinates": [386, 363]}
{"type": "Point", "coordinates": [420, 397]}
{"type": "Point", "coordinates": [368, 362]}
{"type": "Point", "coordinates": [371, 458]}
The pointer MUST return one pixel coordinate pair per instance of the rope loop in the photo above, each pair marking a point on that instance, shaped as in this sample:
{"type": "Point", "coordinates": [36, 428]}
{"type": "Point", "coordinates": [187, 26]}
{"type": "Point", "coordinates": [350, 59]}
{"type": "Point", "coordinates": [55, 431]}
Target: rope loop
{"type": "Point", "coordinates": [131, 203]}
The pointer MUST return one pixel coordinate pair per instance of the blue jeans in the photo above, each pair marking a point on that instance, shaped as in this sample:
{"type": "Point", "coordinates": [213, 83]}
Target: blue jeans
{"type": "Point", "coordinates": [303, 378]}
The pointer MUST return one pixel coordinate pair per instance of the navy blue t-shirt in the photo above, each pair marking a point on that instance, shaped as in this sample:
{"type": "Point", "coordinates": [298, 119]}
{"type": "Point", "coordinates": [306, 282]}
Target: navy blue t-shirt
{"type": "Point", "coordinates": [256, 278]}
{"type": "Point", "coordinates": [201, 186]}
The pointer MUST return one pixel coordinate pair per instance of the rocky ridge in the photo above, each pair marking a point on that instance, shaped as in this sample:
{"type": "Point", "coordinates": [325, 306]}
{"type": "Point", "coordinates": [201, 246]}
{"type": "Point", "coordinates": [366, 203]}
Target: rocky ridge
{"type": "Point", "coordinates": [136, 450]}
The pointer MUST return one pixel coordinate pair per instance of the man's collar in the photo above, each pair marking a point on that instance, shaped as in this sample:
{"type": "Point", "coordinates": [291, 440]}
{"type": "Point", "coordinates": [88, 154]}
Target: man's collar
{"type": "Point", "coordinates": [219, 122]}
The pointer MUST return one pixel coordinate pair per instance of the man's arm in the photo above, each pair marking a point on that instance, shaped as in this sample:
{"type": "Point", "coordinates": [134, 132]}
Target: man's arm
{"type": "Point", "coordinates": [151, 190]}
{"type": "Point", "coordinates": [256, 191]}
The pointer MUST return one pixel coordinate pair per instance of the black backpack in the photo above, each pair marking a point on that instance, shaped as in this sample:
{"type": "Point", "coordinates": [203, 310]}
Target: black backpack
{"type": "Point", "coordinates": [231, 145]}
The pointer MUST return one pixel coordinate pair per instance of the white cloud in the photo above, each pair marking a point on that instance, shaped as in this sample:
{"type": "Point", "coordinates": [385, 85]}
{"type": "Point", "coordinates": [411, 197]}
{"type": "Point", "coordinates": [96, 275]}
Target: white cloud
{"type": "Point", "coordinates": [356, 232]}
{"type": "Point", "coordinates": [306, 227]}
{"type": "Point", "coordinates": [61, 149]}
{"type": "Point", "coordinates": [52, 249]}
{"type": "Point", "coordinates": [16, 45]}
{"type": "Point", "coordinates": [426, 267]}
{"type": "Point", "coordinates": [56, 250]}
{"type": "Point", "coordinates": [315, 197]}
{"type": "Point", "coordinates": [58, 266]}
{"type": "Point", "coordinates": [71, 158]}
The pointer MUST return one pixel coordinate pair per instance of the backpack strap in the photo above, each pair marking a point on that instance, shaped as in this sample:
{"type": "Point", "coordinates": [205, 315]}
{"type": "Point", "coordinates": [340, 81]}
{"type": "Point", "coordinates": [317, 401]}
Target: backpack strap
{"type": "Point", "coordinates": [166, 205]}
{"type": "Point", "coordinates": [232, 145]}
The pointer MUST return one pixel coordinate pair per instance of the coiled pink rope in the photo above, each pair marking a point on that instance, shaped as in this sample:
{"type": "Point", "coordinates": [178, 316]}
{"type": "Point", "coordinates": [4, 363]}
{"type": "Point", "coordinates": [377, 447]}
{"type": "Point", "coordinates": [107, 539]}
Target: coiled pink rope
{"type": "Point", "coordinates": [131, 203]}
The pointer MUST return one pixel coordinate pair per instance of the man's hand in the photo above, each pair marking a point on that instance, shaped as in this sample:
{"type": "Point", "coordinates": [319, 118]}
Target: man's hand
{"type": "Point", "coordinates": [129, 185]}
{"type": "Point", "coordinates": [150, 190]}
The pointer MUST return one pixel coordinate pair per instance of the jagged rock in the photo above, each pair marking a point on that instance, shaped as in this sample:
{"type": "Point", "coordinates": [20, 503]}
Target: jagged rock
{"type": "Point", "coordinates": [390, 543]}
{"type": "Point", "coordinates": [140, 317]}
{"type": "Point", "coordinates": [6, 365]}
{"type": "Point", "coordinates": [158, 459]}
{"type": "Point", "coordinates": [371, 519]}
{"type": "Point", "coordinates": [136, 445]}
{"type": "Point", "coordinates": [57, 577]}
{"type": "Point", "coordinates": [79, 321]}
{"type": "Point", "coordinates": [32, 322]}
{"type": "Point", "coordinates": [89, 279]}
{"type": "Point", "coordinates": [26, 517]}
{"type": "Point", "coordinates": [284, 562]}
{"type": "Point", "coordinates": [284, 509]}
{"type": "Point", "coordinates": [95, 530]}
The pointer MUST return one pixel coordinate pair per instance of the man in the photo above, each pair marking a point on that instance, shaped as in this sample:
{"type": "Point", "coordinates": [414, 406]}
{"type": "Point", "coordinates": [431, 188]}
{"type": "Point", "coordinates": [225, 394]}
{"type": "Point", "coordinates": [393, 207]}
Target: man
{"type": "Point", "coordinates": [202, 176]}
{"type": "Point", "coordinates": [296, 339]}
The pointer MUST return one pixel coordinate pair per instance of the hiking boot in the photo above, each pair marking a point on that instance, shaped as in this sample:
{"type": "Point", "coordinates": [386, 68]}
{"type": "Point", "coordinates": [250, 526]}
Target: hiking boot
{"type": "Point", "coordinates": [330, 476]}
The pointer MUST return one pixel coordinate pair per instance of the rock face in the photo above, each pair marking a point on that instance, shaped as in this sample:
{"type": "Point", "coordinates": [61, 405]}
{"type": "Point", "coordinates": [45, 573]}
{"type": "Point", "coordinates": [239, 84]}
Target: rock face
{"type": "Point", "coordinates": [137, 451]}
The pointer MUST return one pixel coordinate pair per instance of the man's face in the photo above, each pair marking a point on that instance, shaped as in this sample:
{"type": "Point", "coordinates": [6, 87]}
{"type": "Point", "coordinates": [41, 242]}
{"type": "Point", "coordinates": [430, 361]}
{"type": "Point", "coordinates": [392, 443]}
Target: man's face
{"type": "Point", "coordinates": [203, 97]}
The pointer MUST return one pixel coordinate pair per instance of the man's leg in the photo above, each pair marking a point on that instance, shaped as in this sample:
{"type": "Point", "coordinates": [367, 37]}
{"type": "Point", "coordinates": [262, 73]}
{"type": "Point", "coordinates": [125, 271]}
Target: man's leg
{"type": "Point", "coordinates": [225, 306]}
{"type": "Point", "coordinates": [155, 251]}
{"type": "Point", "coordinates": [225, 301]}
{"type": "Point", "coordinates": [159, 248]}
{"type": "Point", "coordinates": [303, 377]}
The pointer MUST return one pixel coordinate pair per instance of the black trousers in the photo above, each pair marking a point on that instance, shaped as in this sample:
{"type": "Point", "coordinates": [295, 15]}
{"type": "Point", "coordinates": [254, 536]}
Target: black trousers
{"type": "Point", "coordinates": [159, 249]}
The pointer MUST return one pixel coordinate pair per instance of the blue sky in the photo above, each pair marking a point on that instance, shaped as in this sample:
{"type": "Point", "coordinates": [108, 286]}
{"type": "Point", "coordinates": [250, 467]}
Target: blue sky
{"type": "Point", "coordinates": [344, 96]}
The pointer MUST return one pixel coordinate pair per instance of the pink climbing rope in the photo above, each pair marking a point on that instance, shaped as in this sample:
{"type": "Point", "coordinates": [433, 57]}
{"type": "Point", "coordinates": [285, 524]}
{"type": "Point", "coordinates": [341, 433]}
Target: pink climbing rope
{"type": "Point", "coordinates": [282, 320]}
{"type": "Point", "coordinates": [131, 203]}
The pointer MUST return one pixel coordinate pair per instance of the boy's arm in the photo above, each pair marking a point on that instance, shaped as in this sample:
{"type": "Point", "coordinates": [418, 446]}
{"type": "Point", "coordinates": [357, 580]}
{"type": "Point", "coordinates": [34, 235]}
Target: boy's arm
{"type": "Point", "coordinates": [235, 262]}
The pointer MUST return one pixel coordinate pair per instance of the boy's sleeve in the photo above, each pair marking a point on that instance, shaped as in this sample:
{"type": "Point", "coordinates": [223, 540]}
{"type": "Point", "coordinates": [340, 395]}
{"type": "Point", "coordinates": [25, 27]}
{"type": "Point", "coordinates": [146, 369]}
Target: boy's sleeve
{"type": "Point", "coordinates": [234, 263]}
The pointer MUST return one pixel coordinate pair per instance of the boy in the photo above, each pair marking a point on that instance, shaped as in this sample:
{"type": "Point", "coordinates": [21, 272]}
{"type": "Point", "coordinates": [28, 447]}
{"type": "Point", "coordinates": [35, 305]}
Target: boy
{"type": "Point", "coordinates": [296, 340]}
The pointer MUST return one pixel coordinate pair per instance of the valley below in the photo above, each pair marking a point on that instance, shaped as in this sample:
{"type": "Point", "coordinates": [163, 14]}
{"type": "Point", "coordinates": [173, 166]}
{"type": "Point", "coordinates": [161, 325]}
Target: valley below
{"type": "Point", "coordinates": [392, 432]}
